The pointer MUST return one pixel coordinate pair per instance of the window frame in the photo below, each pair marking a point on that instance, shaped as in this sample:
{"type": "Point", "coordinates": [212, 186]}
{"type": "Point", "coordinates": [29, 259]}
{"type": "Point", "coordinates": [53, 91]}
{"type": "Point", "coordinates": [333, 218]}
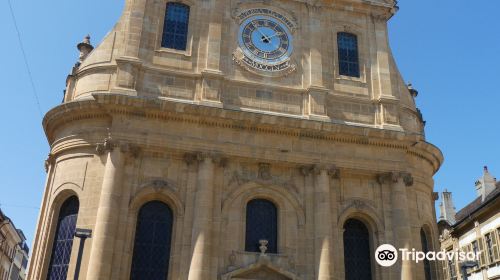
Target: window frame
{"type": "Point", "coordinates": [162, 13]}
{"type": "Point", "coordinates": [172, 236]}
{"type": "Point", "coordinates": [370, 238]}
{"type": "Point", "coordinates": [363, 53]}
{"type": "Point", "coordinates": [54, 229]}
{"type": "Point", "coordinates": [278, 226]}
{"type": "Point", "coordinates": [351, 61]}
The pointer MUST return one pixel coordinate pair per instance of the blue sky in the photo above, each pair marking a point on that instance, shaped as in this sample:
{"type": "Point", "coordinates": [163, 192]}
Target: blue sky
{"type": "Point", "coordinates": [449, 50]}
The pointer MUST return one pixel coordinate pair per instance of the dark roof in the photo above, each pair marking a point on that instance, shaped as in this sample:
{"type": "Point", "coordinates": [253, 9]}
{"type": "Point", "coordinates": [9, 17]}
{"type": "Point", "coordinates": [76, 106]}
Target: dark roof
{"type": "Point", "coordinates": [476, 205]}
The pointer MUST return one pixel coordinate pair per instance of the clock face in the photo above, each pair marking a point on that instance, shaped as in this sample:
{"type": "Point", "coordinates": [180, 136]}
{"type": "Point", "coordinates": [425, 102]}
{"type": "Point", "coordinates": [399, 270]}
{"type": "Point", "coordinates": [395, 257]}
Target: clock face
{"type": "Point", "coordinates": [266, 41]}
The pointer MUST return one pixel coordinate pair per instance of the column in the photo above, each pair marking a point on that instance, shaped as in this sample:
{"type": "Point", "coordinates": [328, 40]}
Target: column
{"type": "Point", "coordinates": [401, 222]}
{"type": "Point", "coordinates": [202, 223]}
{"type": "Point", "coordinates": [322, 223]}
{"type": "Point", "coordinates": [106, 225]}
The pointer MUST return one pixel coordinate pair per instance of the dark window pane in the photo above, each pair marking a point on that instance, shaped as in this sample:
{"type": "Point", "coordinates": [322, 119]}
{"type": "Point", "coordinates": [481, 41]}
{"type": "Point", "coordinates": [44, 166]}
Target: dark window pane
{"type": "Point", "coordinates": [63, 240]}
{"type": "Point", "coordinates": [152, 242]}
{"type": "Point", "coordinates": [261, 223]}
{"type": "Point", "coordinates": [357, 257]}
{"type": "Point", "coordinates": [348, 54]}
{"type": "Point", "coordinates": [425, 249]}
{"type": "Point", "coordinates": [175, 27]}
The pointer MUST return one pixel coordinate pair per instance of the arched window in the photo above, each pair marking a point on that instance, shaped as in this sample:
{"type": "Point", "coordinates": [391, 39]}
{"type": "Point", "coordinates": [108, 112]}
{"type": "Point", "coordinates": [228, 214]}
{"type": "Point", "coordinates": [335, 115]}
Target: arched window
{"type": "Point", "coordinates": [348, 54]}
{"type": "Point", "coordinates": [175, 27]}
{"type": "Point", "coordinates": [357, 256]}
{"type": "Point", "coordinates": [261, 224]}
{"type": "Point", "coordinates": [153, 237]}
{"type": "Point", "coordinates": [63, 239]}
{"type": "Point", "coordinates": [425, 249]}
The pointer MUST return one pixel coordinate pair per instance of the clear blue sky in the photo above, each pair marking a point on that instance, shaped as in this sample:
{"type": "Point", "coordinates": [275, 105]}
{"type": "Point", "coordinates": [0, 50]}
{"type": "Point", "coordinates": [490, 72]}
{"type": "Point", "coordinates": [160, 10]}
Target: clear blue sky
{"type": "Point", "coordinates": [449, 50]}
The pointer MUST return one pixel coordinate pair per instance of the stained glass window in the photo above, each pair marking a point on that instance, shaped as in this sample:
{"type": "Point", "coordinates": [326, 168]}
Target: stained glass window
{"type": "Point", "coordinates": [425, 249]}
{"type": "Point", "coordinates": [348, 54]}
{"type": "Point", "coordinates": [153, 236]}
{"type": "Point", "coordinates": [63, 240]}
{"type": "Point", "coordinates": [261, 223]}
{"type": "Point", "coordinates": [175, 28]}
{"type": "Point", "coordinates": [357, 257]}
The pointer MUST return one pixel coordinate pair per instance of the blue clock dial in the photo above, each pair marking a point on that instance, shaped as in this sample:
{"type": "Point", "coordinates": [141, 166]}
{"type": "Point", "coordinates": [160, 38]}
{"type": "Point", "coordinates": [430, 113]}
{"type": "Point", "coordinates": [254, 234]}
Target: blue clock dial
{"type": "Point", "coordinates": [265, 40]}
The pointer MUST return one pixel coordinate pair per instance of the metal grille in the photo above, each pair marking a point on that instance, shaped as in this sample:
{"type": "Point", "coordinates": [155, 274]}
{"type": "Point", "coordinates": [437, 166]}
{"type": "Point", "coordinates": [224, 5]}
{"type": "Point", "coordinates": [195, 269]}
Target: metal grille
{"type": "Point", "coordinates": [348, 54]}
{"type": "Point", "coordinates": [152, 242]}
{"type": "Point", "coordinates": [63, 242]}
{"type": "Point", "coordinates": [425, 249]}
{"type": "Point", "coordinates": [175, 28]}
{"type": "Point", "coordinates": [357, 257]}
{"type": "Point", "coordinates": [261, 223]}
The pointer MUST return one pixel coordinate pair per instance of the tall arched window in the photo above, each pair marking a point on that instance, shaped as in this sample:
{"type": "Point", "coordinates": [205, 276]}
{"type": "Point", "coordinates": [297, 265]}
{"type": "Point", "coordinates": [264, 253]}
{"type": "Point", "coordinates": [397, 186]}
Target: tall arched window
{"type": "Point", "coordinates": [261, 223]}
{"type": "Point", "coordinates": [348, 54]}
{"type": "Point", "coordinates": [357, 256]}
{"type": "Point", "coordinates": [175, 27]}
{"type": "Point", "coordinates": [63, 239]}
{"type": "Point", "coordinates": [425, 249]}
{"type": "Point", "coordinates": [153, 237]}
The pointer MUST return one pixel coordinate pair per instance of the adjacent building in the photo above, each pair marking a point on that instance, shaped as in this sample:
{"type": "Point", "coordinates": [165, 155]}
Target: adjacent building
{"type": "Point", "coordinates": [13, 250]}
{"type": "Point", "coordinates": [475, 228]}
{"type": "Point", "coordinates": [234, 139]}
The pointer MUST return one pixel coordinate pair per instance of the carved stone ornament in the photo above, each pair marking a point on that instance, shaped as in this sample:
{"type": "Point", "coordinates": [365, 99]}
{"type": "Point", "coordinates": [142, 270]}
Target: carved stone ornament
{"type": "Point", "coordinates": [435, 196]}
{"type": "Point", "coordinates": [265, 171]}
{"type": "Point", "coordinates": [394, 177]}
{"type": "Point", "coordinates": [107, 146]}
{"type": "Point", "coordinates": [132, 149]}
{"type": "Point", "coordinates": [358, 204]}
{"type": "Point", "coordinates": [332, 170]}
{"type": "Point", "coordinates": [49, 162]}
{"type": "Point", "coordinates": [194, 157]}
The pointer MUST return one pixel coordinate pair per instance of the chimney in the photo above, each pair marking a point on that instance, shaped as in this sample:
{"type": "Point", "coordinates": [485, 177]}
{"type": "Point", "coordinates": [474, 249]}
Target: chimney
{"type": "Point", "coordinates": [485, 185]}
{"type": "Point", "coordinates": [447, 209]}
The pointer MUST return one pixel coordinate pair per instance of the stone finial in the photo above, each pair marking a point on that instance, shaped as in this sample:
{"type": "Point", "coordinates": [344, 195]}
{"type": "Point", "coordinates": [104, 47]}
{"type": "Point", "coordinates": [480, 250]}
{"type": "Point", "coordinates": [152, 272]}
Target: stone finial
{"type": "Point", "coordinates": [85, 47]}
{"type": "Point", "coordinates": [263, 246]}
{"type": "Point", "coordinates": [412, 90]}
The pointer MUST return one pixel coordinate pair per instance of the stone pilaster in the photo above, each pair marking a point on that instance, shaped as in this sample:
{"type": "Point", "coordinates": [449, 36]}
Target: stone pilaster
{"type": "Point", "coordinates": [322, 222]}
{"type": "Point", "coordinates": [400, 217]}
{"type": "Point", "coordinates": [106, 224]}
{"type": "Point", "coordinates": [203, 218]}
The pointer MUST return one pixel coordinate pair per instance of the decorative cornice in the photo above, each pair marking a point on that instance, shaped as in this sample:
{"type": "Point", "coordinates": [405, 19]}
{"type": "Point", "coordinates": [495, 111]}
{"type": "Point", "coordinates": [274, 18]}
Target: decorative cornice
{"type": "Point", "coordinates": [105, 106]}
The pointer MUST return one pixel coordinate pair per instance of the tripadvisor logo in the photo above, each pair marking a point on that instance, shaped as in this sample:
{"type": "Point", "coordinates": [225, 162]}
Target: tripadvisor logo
{"type": "Point", "coordinates": [387, 255]}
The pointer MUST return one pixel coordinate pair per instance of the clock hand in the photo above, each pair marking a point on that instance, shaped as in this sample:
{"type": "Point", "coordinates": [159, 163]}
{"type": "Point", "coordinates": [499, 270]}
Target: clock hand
{"type": "Point", "coordinates": [258, 29]}
{"type": "Point", "coordinates": [275, 34]}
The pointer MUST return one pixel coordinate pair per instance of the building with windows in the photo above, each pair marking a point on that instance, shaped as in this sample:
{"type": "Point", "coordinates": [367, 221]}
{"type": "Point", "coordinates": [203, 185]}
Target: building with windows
{"type": "Point", "coordinates": [13, 250]}
{"type": "Point", "coordinates": [475, 228]}
{"type": "Point", "coordinates": [232, 139]}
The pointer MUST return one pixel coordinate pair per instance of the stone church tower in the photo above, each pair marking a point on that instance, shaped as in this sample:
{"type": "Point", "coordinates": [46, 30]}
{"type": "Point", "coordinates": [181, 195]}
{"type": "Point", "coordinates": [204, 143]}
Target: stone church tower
{"type": "Point", "coordinates": [236, 139]}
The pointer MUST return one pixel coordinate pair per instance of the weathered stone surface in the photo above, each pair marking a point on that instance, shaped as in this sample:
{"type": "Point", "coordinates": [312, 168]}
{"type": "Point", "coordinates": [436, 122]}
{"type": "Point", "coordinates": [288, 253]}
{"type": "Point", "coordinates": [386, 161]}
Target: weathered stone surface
{"type": "Point", "coordinates": [204, 135]}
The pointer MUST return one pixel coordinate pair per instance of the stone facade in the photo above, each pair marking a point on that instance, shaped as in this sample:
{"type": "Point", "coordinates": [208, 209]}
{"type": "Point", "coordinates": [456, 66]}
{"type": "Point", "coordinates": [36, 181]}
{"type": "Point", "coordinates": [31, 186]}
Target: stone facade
{"type": "Point", "coordinates": [474, 228]}
{"type": "Point", "coordinates": [13, 250]}
{"type": "Point", "coordinates": [199, 132]}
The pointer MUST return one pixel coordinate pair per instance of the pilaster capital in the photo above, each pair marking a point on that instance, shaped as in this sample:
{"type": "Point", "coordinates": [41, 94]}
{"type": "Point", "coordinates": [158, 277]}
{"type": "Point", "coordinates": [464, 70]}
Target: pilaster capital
{"type": "Point", "coordinates": [132, 149]}
{"type": "Point", "coordinates": [435, 196]}
{"type": "Point", "coordinates": [394, 177]}
{"type": "Point", "coordinates": [49, 161]}
{"type": "Point", "coordinates": [306, 170]}
{"type": "Point", "coordinates": [215, 157]}
{"type": "Point", "coordinates": [331, 170]}
{"type": "Point", "coordinates": [107, 145]}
